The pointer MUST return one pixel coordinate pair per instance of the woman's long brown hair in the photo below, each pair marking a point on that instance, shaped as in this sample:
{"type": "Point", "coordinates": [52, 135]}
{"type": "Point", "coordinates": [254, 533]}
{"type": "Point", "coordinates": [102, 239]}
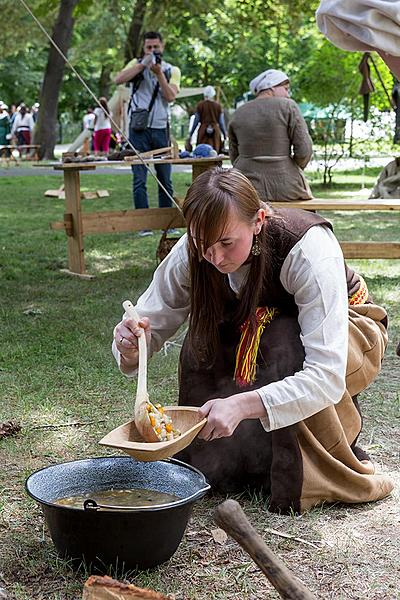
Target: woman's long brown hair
{"type": "Point", "coordinates": [206, 208]}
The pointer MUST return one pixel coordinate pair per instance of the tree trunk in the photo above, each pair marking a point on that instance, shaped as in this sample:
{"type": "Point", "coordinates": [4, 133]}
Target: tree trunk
{"type": "Point", "coordinates": [133, 44]}
{"type": "Point", "coordinates": [46, 127]}
{"type": "Point", "coordinates": [104, 82]}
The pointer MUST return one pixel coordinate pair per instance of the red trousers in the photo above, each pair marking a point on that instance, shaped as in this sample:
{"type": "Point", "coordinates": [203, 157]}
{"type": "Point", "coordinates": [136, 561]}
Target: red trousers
{"type": "Point", "coordinates": [101, 140]}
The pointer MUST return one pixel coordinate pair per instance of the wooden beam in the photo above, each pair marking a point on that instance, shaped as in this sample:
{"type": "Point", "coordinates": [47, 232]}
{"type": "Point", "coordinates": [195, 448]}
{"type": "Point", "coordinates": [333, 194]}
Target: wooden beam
{"type": "Point", "coordinates": [131, 220]}
{"type": "Point", "coordinates": [76, 259]}
{"type": "Point", "coordinates": [371, 249]}
{"type": "Point", "coordinates": [326, 204]}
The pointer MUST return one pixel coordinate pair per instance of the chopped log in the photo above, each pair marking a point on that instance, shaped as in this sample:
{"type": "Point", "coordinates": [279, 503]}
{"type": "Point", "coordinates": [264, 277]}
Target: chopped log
{"type": "Point", "coordinates": [103, 193]}
{"type": "Point", "coordinates": [9, 428]}
{"type": "Point", "coordinates": [106, 588]}
{"type": "Point", "coordinates": [232, 519]}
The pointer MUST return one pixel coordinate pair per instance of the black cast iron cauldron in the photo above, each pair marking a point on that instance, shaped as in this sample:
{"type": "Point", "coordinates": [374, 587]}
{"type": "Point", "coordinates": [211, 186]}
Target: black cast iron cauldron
{"type": "Point", "coordinates": [124, 539]}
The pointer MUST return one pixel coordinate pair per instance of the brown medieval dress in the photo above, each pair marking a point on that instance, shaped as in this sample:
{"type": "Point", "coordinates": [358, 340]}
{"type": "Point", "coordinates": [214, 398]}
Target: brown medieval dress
{"type": "Point", "coordinates": [270, 144]}
{"type": "Point", "coordinates": [313, 461]}
{"type": "Point", "coordinates": [209, 112]}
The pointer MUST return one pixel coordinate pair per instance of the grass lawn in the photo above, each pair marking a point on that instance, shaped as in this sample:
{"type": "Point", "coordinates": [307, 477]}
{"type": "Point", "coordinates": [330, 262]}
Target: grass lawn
{"type": "Point", "coordinates": [59, 381]}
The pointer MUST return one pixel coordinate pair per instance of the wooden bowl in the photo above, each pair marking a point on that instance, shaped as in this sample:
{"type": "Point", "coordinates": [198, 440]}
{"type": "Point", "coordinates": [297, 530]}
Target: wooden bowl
{"type": "Point", "coordinates": [127, 438]}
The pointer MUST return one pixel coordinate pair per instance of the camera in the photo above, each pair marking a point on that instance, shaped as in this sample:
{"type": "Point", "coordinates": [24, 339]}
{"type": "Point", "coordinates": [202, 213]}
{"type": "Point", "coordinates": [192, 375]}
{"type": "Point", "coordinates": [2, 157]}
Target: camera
{"type": "Point", "coordinates": [157, 57]}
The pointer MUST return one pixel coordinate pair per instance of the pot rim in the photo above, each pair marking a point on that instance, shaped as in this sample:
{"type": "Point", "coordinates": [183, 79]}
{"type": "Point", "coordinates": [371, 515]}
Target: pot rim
{"type": "Point", "coordinates": [132, 509]}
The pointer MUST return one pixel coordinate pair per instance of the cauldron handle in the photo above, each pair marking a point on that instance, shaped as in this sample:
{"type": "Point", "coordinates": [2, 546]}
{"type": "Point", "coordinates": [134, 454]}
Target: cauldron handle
{"type": "Point", "coordinates": [90, 504]}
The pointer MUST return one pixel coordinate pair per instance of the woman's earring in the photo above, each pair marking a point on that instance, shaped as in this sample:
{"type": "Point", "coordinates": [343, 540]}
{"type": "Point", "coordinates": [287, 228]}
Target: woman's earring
{"type": "Point", "coordinates": [256, 248]}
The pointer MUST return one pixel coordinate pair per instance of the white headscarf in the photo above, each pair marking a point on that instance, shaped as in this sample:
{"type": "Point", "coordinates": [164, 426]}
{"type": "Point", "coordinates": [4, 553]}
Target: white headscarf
{"type": "Point", "coordinates": [363, 25]}
{"type": "Point", "coordinates": [266, 80]}
{"type": "Point", "coordinates": [209, 92]}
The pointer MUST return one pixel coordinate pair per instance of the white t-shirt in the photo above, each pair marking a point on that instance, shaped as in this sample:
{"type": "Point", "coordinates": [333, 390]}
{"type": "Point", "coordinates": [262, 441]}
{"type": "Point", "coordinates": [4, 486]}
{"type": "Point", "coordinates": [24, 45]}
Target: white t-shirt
{"type": "Point", "coordinates": [23, 122]}
{"type": "Point", "coordinates": [102, 121]}
{"type": "Point", "coordinates": [314, 273]}
{"type": "Point", "coordinates": [88, 121]}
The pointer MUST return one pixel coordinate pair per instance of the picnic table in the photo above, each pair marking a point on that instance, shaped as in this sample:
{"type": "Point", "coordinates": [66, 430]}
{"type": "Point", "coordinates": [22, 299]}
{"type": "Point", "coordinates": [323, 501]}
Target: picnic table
{"type": "Point", "coordinates": [77, 224]}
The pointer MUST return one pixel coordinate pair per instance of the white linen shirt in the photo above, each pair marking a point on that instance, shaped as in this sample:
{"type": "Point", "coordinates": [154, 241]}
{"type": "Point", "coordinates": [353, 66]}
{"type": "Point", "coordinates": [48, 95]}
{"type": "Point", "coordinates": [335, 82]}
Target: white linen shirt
{"type": "Point", "coordinates": [313, 272]}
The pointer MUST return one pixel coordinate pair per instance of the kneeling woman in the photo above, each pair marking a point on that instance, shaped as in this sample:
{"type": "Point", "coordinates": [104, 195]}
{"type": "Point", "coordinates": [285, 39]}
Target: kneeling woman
{"type": "Point", "coordinates": [282, 337]}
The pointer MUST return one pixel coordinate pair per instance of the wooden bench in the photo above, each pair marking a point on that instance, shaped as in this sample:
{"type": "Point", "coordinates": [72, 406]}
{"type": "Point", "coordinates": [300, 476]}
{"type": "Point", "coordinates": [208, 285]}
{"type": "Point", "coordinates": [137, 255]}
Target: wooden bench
{"type": "Point", "coordinates": [77, 224]}
{"type": "Point", "coordinates": [26, 151]}
{"type": "Point", "coordinates": [354, 249]}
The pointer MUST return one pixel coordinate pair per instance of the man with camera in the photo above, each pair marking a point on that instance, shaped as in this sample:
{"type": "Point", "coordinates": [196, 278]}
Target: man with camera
{"type": "Point", "coordinates": [155, 83]}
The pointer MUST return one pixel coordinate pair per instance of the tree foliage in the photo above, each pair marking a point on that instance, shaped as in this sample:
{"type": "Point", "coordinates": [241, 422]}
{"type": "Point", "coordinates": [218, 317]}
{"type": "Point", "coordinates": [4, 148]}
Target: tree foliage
{"type": "Point", "coordinates": [224, 43]}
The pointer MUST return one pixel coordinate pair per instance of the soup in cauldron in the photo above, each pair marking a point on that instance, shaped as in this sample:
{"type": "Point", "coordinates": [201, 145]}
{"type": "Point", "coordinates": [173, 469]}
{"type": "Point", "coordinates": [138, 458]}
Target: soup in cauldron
{"type": "Point", "coordinates": [128, 498]}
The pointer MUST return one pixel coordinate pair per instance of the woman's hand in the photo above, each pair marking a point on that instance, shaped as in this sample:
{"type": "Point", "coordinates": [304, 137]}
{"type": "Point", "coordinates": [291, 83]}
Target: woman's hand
{"type": "Point", "coordinates": [225, 414]}
{"type": "Point", "coordinates": [126, 335]}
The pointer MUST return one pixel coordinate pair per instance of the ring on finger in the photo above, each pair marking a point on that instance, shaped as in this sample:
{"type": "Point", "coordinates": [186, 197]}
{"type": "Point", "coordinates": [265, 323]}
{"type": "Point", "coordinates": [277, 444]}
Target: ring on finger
{"type": "Point", "coordinates": [121, 340]}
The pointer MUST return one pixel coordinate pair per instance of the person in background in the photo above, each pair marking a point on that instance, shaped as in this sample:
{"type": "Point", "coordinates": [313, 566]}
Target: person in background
{"type": "Point", "coordinates": [88, 119]}
{"type": "Point", "coordinates": [35, 111]}
{"type": "Point", "coordinates": [269, 140]}
{"type": "Point", "coordinates": [13, 114]}
{"type": "Point", "coordinates": [155, 84]}
{"type": "Point", "coordinates": [282, 337]}
{"type": "Point", "coordinates": [102, 127]}
{"type": "Point", "coordinates": [88, 126]}
{"type": "Point", "coordinates": [211, 119]}
{"type": "Point", "coordinates": [5, 129]}
{"type": "Point", "coordinates": [22, 126]}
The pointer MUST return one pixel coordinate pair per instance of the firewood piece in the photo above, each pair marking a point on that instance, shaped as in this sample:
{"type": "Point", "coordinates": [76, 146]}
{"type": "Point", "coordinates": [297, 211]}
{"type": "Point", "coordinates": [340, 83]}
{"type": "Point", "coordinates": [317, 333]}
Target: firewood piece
{"type": "Point", "coordinates": [9, 428]}
{"type": "Point", "coordinates": [106, 588]}
{"type": "Point", "coordinates": [103, 193]}
{"type": "Point", "coordinates": [232, 519]}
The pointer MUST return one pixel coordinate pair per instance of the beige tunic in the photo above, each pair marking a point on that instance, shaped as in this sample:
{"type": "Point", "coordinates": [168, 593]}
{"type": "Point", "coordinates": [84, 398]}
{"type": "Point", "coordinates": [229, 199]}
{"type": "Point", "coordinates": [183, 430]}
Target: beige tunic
{"type": "Point", "coordinates": [269, 142]}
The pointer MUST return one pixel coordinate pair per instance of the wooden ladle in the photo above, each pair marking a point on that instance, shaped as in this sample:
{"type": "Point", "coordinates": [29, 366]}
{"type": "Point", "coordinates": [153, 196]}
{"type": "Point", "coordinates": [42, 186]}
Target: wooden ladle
{"type": "Point", "coordinates": [137, 437]}
{"type": "Point", "coordinates": [142, 421]}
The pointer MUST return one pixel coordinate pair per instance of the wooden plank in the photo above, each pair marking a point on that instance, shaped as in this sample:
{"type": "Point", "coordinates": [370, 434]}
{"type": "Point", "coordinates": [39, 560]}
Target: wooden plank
{"type": "Point", "coordinates": [111, 163]}
{"type": "Point", "coordinates": [371, 249]}
{"type": "Point", "coordinates": [52, 193]}
{"type": "Point", "coordinates": [76, 259]}
{"type": "Point", "coordinates": [326, 204]}
{"type": "Point", "coordinates": [57, 226]}
{"type": "Point", "coordinates": [80, 275]}
{"type": "Point", "coordinates": [148, 154]}
{"type": "Point", "coordinates": [131, 220]}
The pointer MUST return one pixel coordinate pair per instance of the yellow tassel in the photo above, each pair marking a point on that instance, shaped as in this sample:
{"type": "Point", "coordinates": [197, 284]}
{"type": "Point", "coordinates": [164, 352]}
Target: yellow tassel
{"type": "Point", "coordinates": [247, 350]}
{"type": "Point", "coordinates": [361, 295]}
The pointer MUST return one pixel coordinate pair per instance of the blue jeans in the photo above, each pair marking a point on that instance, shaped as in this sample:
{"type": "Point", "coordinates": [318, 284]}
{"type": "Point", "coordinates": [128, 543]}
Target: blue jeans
{"type": "Point", "coordinates": [150, 139]}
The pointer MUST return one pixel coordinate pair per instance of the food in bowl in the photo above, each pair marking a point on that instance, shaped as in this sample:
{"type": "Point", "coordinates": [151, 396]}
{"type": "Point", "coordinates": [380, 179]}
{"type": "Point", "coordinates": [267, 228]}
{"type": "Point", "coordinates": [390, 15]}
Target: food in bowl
{"type": "Point", "coordinates": [161, 423]}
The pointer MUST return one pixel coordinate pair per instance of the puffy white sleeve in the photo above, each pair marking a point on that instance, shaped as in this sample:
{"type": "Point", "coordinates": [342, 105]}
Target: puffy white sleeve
{"type": "Point", "coordinates": [314, 273]}
{"type": "Point", "coordinates": [166, 302]}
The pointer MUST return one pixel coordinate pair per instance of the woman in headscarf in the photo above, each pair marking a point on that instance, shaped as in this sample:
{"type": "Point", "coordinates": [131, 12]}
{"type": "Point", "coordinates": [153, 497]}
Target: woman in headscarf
{"type": "Point", "coordinates": [281, 340]}
{"type": "Point", "coordinates": [269, 140]}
